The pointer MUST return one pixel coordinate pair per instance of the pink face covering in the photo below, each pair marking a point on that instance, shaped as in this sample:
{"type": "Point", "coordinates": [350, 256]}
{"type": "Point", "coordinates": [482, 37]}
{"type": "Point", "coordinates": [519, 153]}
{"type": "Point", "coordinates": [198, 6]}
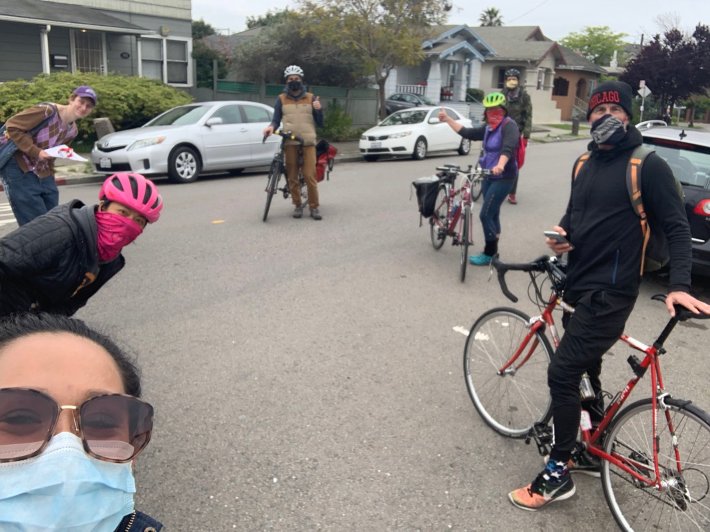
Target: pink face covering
{"type": "Point", "coordinates": [114, 233]}
{"type": "Point", "coordinates": [494, 117]}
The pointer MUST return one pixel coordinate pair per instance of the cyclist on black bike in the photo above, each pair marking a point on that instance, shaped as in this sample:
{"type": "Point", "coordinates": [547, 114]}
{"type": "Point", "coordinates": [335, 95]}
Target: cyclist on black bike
{"type": "Point", "coordinates": [604, 242]}
{"type": "Point", "coordinates": [300, 112]}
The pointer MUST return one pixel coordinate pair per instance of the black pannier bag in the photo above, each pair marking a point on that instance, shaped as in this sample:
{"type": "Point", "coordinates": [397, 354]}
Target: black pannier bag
{"type": "Point", "coordinates": [427, 188]}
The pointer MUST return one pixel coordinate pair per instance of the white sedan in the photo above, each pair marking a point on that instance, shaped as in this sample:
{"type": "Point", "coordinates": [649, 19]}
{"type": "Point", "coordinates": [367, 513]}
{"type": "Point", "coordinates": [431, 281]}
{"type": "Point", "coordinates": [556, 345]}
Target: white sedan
{"type": "Point", "coordinates": [414, 133]}
{"type": "Point", "coordinates": [189, 139]}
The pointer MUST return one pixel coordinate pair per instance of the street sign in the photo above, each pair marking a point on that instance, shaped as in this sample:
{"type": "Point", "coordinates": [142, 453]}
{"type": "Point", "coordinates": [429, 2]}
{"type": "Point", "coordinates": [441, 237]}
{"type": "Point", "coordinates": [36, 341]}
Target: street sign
{"type": "Point", "coordinates": [644, 92]}
{"type": "Point", "coordinates": [642, 84]}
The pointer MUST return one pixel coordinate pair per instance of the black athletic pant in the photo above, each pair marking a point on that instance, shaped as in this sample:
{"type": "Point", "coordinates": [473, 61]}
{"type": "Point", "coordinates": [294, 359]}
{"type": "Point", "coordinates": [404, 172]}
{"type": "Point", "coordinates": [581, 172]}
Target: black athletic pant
{"type": "Point", "coordinates": [595, 326]}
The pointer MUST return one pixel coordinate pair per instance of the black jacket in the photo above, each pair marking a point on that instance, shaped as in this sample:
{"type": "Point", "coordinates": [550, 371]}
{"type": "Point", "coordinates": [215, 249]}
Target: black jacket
{"type": "Point", "coordinates": [605, 231]}
{"type": "Point", "coordinates": [47, 263]}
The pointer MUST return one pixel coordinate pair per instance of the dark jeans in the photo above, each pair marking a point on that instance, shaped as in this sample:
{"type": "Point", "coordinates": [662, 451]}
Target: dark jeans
{"type": "Point", "coordinates": [494, 193]}
{"type": "Point", "coordinates": [598, 321]}
{"type": "Point", "coordinates": [29, 195]}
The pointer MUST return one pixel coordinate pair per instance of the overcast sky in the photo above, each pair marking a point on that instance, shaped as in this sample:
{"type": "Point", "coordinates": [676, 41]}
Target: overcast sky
{"type": "Point", "coordinates": [557, 18]}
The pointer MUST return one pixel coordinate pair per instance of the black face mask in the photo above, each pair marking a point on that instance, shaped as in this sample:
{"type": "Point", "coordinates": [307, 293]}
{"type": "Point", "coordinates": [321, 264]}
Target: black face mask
{"type": "Point", "coordinates": [294, 86]}
{"type": "Point", "coordinates": [608, 130]}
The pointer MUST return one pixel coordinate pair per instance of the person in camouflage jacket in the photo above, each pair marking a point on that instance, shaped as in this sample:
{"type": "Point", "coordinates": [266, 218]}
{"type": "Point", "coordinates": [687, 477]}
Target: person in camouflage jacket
{"type": "Point", "coordinates": [520, 110]}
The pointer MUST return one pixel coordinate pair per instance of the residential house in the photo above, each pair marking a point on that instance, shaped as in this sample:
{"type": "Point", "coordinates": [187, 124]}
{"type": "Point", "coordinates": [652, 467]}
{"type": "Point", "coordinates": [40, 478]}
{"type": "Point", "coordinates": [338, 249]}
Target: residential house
{"type": "Point", "coordinates": [454, 57]}
{"type": "Point", "coordinates": [556, 78]}
{"type": "Point", "coordinates": [148, 39]}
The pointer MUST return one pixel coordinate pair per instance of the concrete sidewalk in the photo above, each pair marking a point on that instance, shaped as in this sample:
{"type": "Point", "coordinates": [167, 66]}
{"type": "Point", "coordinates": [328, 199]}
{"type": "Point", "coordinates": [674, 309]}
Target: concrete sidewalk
{"type": "Point", "coordinates": [69, 173]}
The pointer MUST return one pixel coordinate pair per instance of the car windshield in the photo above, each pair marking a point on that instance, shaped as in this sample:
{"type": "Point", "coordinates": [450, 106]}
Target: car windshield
{"type": "Point", "coordinates": [180, 116]}
{"type": "Point", "coordinates": [689, 166]}
{"type": "Point", "coordinates": [405, 117]}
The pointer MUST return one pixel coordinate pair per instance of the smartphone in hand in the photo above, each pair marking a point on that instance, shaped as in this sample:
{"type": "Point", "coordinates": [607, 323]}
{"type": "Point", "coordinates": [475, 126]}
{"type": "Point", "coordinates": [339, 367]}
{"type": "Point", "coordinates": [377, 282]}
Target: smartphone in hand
{"type": "Point", "coordinates": [557, 237]}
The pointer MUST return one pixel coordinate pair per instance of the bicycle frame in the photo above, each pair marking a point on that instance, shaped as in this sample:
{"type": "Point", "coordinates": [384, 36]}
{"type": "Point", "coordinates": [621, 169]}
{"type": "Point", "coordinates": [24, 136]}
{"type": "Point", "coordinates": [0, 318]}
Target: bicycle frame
{"type": "Point", "coordinates": [453, 215]}
{"type": "Point", "coordinates": [592, 438]}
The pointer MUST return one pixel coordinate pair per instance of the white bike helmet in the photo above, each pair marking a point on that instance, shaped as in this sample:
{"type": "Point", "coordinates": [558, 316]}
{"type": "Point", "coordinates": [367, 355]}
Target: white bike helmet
{"type": "Point", "coordinates": [293, 70]}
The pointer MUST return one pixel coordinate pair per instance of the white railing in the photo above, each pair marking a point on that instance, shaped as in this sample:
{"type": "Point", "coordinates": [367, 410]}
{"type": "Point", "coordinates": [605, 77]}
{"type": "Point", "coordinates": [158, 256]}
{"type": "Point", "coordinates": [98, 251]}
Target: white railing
{"type": "Point", "coordinates": [412, 89]}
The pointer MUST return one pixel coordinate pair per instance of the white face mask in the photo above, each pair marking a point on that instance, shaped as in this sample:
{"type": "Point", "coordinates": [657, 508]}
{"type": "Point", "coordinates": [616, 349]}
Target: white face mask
{"type": "Point", "coordinates": [85, 493]}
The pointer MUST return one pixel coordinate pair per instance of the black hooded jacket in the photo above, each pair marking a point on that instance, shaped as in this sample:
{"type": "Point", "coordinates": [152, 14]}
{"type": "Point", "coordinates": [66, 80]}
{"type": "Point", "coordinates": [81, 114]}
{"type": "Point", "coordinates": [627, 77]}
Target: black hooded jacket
{"type": "Point", "coordinates": [51, 263]}
{"type": "Point", "coordinates": [605, 230]}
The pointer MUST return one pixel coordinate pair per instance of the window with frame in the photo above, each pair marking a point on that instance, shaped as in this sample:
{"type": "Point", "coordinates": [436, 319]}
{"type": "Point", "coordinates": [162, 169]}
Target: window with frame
{"type": "Point", "coordinates": [560, 87]}
{"type": "Point", "coordinates": [88, 51]}
{"type": "Point", "coordinates": [166, 60]}
{"type": "Point", "coordinates": [254, 114]}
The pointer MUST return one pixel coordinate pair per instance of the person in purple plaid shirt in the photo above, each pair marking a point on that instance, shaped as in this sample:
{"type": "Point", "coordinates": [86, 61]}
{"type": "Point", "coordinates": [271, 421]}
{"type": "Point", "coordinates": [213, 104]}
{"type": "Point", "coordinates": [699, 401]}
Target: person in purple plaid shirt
{"type": "Point", "coordinates": [28, 178]}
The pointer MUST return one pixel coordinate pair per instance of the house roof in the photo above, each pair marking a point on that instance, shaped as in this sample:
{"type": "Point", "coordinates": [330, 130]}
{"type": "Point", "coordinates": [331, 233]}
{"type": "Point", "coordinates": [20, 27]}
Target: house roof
{"type": "Point", "coordinates": [571, 60]}
{"type": "Point", "coordinates": [450, 39]}
{"type": "Point", "coordinates": [65, 15]}
{"type": "Point", "coordinates": [516, 43]}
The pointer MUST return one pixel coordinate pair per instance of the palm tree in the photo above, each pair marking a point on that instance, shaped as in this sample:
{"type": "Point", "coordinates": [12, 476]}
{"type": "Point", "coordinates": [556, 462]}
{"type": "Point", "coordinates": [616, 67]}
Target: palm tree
{"type": "Point", "coordinates": [491, 17]}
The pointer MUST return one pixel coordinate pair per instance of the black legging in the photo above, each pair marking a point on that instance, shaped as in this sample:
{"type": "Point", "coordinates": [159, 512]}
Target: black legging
{"type": "Point", "coordinates": [595, 326]}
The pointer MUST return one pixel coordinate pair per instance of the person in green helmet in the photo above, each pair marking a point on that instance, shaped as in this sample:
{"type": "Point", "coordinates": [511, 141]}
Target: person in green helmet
{"type": "Point", "coordinates": [500, 136]}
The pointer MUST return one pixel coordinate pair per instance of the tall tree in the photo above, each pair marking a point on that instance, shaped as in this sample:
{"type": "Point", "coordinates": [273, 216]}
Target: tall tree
{"type": "Point", "coordinates": [674, 66]}
{"type": "Point", "coordinates": [490, 17]}
{"type": "Point", "coordinates": [205, 56]}
{"type": "Point", "coordinates": [200, 29]}
{"type": "Point", "coordinates": [379, 35]}
{"type": "Point", "coordinates": [286, 40]}
{"type": "Point", "coordinates": [271, 18]}
{"type": "Point", "coordinates": [596, 43]}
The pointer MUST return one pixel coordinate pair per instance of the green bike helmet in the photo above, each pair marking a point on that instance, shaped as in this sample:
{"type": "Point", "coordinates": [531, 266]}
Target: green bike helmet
{"type": "Point", "coordinates": [495, 99]}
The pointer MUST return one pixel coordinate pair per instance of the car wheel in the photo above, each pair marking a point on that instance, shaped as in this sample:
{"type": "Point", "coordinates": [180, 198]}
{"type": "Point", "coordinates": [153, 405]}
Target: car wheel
{"type": "Point", "coordinates": [420, 149]}
{"type": "Point", "coordinates": [465, 147]}
{"type": "Point", "coordinates": [183, 165]}
{"type": "Point", "coordinates": [371, 158]}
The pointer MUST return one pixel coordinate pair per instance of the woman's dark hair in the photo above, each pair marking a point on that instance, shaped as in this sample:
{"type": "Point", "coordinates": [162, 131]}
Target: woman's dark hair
{"type": "Point", "coordinates": [18, 326]}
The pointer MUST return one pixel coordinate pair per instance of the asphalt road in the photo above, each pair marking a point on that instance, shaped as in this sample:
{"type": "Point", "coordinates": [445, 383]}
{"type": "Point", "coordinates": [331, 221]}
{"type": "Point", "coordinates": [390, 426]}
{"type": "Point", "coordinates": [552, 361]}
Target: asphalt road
{"type": "Point", "coordinates": [308, 375]}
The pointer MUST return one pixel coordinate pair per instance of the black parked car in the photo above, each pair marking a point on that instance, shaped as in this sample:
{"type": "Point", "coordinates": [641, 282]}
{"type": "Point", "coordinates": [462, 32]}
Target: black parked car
{"type": "Point", "coordinates": [405, 100]}
{"type": "Point", "coordinates": [687, 152]}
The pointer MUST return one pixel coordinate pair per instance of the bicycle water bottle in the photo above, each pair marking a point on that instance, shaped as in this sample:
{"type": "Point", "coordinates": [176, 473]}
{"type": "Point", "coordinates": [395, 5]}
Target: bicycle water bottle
{"type": "Point", "coordinates": [456, 208]}
{"type": "Point", "coordinates": [586, 392]}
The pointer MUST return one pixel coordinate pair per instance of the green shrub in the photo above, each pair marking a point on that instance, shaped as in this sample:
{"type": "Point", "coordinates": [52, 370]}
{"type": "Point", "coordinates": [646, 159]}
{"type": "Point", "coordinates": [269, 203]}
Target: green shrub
{"type": "Point", "coordinates": [337, 124]}
{"type": "Point", "coordinates": [127, 101]}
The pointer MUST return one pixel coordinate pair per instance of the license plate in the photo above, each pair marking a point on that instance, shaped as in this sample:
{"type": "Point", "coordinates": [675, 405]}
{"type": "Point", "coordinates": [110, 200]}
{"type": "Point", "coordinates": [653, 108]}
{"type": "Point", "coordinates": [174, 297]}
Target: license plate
{"type": "Point", "coordinates": [375, 144]}
{"type": "Point", "coordinates": [105, 162]}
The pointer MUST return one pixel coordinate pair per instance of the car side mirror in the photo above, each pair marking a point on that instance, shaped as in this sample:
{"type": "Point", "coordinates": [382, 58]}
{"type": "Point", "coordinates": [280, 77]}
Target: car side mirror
{"type": "Point", "coordinates": [216, 120]}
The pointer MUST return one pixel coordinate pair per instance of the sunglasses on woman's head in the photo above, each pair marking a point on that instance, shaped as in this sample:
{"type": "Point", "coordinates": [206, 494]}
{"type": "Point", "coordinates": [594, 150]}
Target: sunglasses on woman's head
{"type": "Point", "coordinates": [113, 427]}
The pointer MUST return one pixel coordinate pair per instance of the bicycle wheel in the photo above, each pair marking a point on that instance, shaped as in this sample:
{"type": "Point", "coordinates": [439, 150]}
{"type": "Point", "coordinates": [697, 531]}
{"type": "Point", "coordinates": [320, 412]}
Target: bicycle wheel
{"type": "Point", "coordinates": [438, 221]}
{"type": "Point", "coordinates": [476, 187]}
{"type": "Point", "coordinates": [682, 502]}
{"type": "Point", "coordinates": [465, 240]}
{"type": "Point", "coordinates": [272, 186]}
{"type": "Point", "coordinates": [511, 401]}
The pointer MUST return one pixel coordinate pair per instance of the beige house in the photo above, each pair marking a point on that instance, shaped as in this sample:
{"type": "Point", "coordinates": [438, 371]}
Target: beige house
{"type": "Point", "coordinates": [557, 79]}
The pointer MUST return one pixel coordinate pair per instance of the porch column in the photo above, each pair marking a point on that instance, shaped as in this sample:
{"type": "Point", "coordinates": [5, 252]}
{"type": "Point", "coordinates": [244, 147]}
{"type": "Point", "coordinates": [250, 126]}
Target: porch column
{"type": "Point", "coordinates": [44, 47]}
{"type": "Point", "coordinates": [433, 82]}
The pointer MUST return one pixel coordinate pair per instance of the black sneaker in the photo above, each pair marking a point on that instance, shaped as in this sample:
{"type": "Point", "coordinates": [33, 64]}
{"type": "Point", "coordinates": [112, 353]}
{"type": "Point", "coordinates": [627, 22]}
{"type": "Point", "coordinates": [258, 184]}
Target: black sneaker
{"type": "Point", "coordinates": [542, 491]}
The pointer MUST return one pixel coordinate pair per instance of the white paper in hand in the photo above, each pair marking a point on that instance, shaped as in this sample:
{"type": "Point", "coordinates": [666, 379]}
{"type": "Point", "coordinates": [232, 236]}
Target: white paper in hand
{"type": "Point", "coordinates": [65, 152]}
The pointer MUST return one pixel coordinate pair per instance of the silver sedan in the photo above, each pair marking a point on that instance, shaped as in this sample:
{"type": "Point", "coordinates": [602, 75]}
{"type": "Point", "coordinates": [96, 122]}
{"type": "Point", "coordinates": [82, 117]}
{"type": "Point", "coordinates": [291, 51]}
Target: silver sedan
{"type": "Point", "coordinates": [187, 140]}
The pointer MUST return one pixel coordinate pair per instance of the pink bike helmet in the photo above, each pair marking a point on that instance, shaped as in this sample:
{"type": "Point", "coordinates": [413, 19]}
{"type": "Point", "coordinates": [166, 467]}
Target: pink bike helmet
{"type": "Point", "coordinates": [134, 191]}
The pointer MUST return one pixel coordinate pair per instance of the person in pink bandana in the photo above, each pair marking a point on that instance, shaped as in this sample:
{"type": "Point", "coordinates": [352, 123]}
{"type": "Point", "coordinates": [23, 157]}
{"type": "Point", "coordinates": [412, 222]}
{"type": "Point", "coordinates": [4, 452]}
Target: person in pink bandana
{"type": "Point", "coordinates": [500, 136]}
{"type": "Point", "coordinates": [56, 262]}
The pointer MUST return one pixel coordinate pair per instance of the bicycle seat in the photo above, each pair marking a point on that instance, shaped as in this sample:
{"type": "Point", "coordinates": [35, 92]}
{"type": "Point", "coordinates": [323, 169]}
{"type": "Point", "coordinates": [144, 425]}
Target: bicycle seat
{"type": "Point", "coordinates": [447, 177]}
{"type": "Point", "coordinates": [448, 168]}
{"type": "Point", "coordinates": [681, 313]}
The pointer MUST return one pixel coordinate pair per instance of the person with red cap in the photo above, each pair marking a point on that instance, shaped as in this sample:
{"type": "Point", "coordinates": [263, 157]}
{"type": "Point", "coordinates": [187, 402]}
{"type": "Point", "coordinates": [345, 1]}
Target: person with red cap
{"type": "Point", "coordinates": [28, 176]}
{"type": "Point", "coordinates": [606, 248]}
{"type": "Point", "coordinates": [56, 262]}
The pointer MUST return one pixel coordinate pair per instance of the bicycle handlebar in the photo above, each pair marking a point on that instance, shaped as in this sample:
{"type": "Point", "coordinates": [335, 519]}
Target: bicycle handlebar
{"type": "Point", "coordinates": [541, 264]}
{"type": "Point", "coordinates": [286, 135]}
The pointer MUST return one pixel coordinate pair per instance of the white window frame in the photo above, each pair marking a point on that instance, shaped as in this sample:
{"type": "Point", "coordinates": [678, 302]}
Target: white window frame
{"type": "Point", "coordinates": [72, 52]}
{"type": "Point", "coordinates": [164, 56]}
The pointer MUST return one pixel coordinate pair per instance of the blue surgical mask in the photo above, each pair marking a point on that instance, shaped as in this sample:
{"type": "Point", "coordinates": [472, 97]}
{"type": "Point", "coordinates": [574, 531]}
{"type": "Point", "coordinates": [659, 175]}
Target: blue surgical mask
{"type": "Point", "coordinates": [64, 489]}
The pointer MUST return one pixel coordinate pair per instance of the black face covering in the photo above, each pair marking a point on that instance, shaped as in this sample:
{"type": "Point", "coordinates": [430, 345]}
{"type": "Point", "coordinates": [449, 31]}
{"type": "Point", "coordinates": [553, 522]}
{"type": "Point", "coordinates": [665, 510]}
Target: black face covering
{"type": "Point", "coordinates": [295, 86]}
{"type": "Point", "coordinates": [608, 130]}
